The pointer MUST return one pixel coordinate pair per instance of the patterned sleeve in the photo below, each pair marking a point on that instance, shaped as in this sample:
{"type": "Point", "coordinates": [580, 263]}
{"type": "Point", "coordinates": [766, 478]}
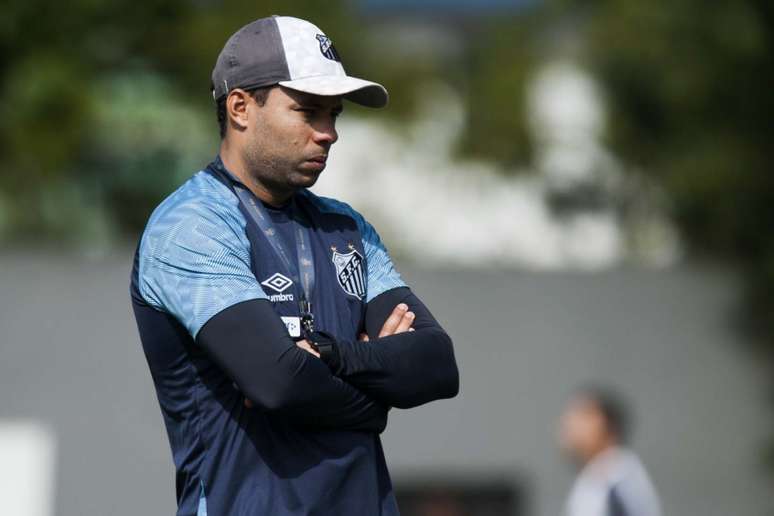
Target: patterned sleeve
{"type": "Point", "coordinates": [195, 262]}
{"type": "Point", "coordinates": [382, 275]}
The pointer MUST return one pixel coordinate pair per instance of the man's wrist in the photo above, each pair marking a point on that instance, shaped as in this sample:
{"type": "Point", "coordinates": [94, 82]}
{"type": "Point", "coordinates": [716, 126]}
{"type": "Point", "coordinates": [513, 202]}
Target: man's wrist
{"type": "Point", "coordinates": [328, 348]}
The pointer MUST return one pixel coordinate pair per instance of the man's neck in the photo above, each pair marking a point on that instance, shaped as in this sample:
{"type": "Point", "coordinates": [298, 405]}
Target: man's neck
{"type": "Point", "coordinates": [603, 453]}
{"type": "Point", "coordinates": [235, 164]}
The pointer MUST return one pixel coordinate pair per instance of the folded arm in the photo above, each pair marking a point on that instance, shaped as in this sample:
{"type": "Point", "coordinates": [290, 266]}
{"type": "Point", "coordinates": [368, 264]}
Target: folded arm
{"type": "Point", "coordinates": [403, 370]}
{"type": "Point", "coordinates": [249, 342]}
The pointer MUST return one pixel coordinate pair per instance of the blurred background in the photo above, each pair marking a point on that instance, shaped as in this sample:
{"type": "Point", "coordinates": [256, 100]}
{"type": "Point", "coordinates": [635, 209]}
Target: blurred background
{"type": "Point", "coordinates": [580, 190]}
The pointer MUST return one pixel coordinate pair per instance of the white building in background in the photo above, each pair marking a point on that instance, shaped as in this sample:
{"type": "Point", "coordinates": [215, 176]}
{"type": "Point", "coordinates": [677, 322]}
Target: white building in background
{"type": "Point", "coordinates": [431, 206]}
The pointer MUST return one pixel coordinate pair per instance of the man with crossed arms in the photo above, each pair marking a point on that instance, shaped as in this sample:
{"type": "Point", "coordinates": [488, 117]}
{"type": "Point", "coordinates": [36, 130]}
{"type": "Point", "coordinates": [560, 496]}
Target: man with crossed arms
{"type": "Point", "coordinates": [252, 296]}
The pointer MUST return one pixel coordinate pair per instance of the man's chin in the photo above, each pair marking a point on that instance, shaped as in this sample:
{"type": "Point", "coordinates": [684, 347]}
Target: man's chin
{"type": "Point", "coordinates": [305, 178]}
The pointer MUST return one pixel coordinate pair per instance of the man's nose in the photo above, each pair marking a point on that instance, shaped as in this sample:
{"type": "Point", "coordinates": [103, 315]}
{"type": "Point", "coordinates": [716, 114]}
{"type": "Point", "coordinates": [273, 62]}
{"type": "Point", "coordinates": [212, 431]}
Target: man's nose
{"type": "Point", "coordinates": [325, 133]}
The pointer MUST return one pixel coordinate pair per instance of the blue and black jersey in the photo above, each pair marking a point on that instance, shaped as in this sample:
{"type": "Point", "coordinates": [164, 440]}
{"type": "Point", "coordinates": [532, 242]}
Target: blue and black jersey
{"type": "Point", "coordinates": [217, 311]}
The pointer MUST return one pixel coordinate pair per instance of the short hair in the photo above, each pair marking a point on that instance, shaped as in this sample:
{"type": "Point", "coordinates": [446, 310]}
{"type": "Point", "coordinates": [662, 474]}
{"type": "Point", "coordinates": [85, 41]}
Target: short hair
{"type": "Point", "coordinates": [614, 409]}
{"type": "Point", "coordinates": [259, 94]}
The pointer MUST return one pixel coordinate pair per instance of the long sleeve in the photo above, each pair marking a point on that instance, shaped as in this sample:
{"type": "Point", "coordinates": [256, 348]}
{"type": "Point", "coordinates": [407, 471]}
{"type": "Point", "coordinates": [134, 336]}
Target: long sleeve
{"type": "Point", "coordinates": [404, 370]}
{"type": "Point", "coordinates": [249, 342]}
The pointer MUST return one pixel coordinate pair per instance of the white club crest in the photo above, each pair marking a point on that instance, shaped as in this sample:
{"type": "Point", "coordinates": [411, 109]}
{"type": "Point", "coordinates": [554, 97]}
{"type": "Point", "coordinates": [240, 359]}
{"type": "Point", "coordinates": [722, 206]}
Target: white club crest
{"type": "Point", "coordinates": [349, 272]}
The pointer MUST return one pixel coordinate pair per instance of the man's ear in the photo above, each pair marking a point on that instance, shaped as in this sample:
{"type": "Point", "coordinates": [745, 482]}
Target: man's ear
{"type": "Point", "coordinates": [236, 108]}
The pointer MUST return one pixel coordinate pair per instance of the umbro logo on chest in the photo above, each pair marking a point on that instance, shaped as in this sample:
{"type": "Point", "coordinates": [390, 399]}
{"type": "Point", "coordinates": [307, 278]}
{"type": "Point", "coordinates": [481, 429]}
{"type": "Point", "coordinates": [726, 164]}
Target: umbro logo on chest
{"type": "Point", "coordinates": [279, 283]}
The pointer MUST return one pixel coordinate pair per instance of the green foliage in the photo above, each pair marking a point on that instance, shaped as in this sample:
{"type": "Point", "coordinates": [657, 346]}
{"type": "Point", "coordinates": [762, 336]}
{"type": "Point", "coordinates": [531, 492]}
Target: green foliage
{"type": "Point", "coordinates": [106, 107]}
{"type": "Point", "coordinates": [501, 57]}
{"type": "Point", "coordinates": [689, 88]}
{"type": "Point", "coordinates": [110, 102]}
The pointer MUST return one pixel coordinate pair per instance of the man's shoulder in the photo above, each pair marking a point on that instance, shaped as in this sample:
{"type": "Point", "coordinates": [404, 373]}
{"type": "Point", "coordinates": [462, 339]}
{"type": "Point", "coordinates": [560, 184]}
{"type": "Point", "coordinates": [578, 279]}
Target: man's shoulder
{"type": "Point", "coordinates": [330, 206]}
{"type": "Point", "coordinates": [200, 197]}
{"type": "Point", "coordinates": [202, 202]}
{"type": "Point", "coordinates": [380, 265]}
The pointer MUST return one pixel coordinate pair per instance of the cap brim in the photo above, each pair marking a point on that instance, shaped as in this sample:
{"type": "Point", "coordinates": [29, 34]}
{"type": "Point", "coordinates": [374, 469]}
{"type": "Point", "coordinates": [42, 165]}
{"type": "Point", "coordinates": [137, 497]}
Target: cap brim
{"type": "Point", "coordinates": [359, 91]}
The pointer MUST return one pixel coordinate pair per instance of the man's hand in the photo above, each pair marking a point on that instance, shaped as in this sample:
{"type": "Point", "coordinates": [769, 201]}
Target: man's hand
{"type": "Point", "coordinates": [399, 321]}
{"type": "Point", "coordinates": [306, 346]}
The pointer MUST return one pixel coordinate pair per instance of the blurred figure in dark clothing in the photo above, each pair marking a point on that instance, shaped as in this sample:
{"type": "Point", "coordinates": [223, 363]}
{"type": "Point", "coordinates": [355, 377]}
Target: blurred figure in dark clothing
{"type": "Point", "coordinates": [612, 480]}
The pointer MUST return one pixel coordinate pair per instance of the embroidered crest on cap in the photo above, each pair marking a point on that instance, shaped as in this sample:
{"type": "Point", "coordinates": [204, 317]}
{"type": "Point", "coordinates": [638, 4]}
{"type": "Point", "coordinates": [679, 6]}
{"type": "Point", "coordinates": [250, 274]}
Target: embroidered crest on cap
{"type": "Point", "coordinates": [327, 48]}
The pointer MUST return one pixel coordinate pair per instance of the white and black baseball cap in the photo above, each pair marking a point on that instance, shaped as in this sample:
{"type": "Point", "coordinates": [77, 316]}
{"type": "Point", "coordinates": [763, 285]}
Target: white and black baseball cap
{"type": "Point", "coordinates": [293, 53]}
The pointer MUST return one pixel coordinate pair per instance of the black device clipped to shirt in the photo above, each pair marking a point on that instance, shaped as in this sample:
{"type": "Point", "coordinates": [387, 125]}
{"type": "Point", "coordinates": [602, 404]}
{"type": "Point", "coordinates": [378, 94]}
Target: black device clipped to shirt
{"type": "Point", "coordinates": [325, 344]}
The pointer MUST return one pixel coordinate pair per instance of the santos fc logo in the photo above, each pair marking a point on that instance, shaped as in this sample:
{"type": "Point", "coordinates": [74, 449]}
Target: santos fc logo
{"type": "Point", "coordinates": [326, 47]}
{"type": "Point", "coordinates": [349, 272]}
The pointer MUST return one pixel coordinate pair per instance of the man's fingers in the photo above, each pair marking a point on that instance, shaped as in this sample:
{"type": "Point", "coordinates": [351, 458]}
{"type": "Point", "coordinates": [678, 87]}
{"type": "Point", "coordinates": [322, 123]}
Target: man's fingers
{"type": "Point", "coordinates": [405, 323]}
{"type": "Point", "coordinates": [304, 344]}
{"type": "Point", "coordinates": [248, 403]}
{"type": "Point", "coordinates": [392, 322]}
{"type": "Point", "coordinates": [363, 337]}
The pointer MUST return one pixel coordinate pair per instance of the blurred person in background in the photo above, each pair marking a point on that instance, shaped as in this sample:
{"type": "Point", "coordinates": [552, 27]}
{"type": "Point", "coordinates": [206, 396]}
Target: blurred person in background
{"type": "Point", "coordinates": [594, 431]}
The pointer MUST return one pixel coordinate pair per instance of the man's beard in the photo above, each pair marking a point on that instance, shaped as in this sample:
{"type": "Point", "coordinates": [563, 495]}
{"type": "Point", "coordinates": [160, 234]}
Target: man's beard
{"type": "Point", "coordinates": [272, 173]}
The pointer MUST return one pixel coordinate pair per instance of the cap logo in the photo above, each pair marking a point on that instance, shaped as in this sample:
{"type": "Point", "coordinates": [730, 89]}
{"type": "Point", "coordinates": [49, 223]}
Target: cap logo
{"type": "Point", "coordinates": [327, 49]}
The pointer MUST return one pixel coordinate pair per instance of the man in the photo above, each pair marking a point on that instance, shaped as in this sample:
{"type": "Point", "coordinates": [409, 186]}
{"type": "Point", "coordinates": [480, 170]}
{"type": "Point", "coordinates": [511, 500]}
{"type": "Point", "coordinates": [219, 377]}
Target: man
{"type": "Point", "coordinates": [613, 481]}
{"type": "Point", "coordinates": [250, 293]}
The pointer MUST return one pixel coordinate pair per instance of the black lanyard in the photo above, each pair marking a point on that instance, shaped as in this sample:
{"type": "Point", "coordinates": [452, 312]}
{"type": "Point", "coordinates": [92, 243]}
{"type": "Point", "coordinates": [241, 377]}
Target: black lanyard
{"type": "Point", "coordinates": [302, 269]}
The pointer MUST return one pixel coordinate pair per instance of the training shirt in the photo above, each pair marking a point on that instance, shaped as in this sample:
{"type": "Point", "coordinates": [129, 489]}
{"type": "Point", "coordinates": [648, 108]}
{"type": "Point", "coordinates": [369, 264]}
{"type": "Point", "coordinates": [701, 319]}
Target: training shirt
{"type": "Point", "coordinates": [614, 483]}
{"type": "Point", "coordinates": [200, 254]}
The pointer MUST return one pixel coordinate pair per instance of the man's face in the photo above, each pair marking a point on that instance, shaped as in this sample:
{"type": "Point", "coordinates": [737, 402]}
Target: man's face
{"type": "Point", "coordinates": [289, 137]}
{"type": "Point", "coordinates": [583, 431]}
